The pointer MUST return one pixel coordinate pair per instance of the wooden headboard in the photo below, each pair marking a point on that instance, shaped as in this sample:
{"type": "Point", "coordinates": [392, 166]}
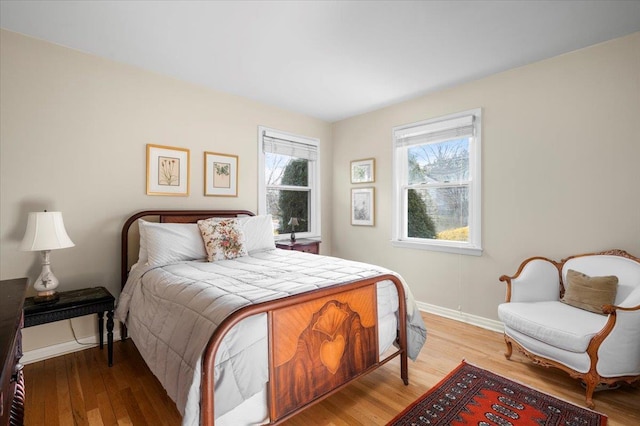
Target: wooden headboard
{"type": "Point", "coordinates": [165, 216]}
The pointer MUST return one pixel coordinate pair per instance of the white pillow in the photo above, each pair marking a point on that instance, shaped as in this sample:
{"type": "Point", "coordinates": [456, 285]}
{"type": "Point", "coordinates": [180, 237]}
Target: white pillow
{"type": "Point", "coordinates": [258, 233]}
{"type": "Point", "coordinates": [171, 242]}
{"type": "Point", "coordinates": [143, 257]}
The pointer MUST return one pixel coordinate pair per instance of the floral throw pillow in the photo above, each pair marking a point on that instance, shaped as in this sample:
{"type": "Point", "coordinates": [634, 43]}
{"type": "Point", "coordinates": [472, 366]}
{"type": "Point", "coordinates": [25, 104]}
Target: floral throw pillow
{"type": "Point", "coordinates": [223, 239]}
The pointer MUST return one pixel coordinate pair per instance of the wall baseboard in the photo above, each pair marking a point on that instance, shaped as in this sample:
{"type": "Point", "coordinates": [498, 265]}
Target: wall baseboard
{"type": "Point", "coordinates": [476, 320]}
{"type": "Point", "coordinates": [92, 341]}
{"type": "Point", "coordinates": [41, 354]}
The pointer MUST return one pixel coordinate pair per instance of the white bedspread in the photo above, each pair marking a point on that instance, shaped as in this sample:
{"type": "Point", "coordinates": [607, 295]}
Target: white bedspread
{"type": "Point", "coordinates": [172, 310]}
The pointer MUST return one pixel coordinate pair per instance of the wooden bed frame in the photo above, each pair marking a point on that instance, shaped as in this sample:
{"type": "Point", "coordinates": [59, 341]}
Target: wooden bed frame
{"type": "Point", "coordinates": [319, 341]}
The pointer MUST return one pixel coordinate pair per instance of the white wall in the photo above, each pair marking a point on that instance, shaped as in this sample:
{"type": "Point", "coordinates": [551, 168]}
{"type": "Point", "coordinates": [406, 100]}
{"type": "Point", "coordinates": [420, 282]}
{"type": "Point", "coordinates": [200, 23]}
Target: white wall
{"type": "Point", "coordinates": [74, 130]}
{"type": "Point", "coordinates": [560, 155]}
{"type": "Point", "coordinates": [561, 172]}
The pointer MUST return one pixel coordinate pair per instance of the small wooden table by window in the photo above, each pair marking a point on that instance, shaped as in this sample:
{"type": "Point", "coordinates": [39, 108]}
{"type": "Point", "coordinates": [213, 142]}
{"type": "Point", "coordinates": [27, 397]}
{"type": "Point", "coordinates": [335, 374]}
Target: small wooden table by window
{"type": "Point", "coordinates": [303, 244]}
{"type": "Point", "coordinates": [75, 303]}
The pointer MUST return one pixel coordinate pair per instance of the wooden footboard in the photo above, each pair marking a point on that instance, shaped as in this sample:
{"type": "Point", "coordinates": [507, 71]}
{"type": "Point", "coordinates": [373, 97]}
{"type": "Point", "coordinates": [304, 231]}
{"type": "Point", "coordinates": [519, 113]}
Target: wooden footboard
{"type": "Point", "coordinates": [319, 345]}
{"type": "Point", "coordinates": [319, 342]}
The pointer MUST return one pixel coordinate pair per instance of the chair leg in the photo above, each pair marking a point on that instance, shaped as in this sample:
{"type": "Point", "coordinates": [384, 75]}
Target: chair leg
{"type": "Point", "coordinates": [591, 384]}
{"type": "Point", "coordinates": [509, 351]}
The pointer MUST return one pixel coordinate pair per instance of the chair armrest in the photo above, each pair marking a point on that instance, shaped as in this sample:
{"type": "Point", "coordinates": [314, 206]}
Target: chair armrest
{"type": "Point", "coordinates": [609, 309]}
{"type": "Point", "coordinates": [537, 280]}
{"type": "Point", "coordinates": [618, 344]}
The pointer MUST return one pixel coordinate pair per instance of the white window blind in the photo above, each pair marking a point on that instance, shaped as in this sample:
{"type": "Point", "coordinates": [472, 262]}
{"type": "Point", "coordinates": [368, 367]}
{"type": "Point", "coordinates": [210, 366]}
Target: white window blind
{"type": "Point", "coordinates": [437, 131]}
{"type": "Point", "coordinates": [290, 148]}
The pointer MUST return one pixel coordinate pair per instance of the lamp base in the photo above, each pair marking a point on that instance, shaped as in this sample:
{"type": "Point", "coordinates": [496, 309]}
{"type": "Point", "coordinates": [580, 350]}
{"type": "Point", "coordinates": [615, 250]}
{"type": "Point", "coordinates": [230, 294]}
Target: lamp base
{"type": "Point", "coordinates": [46, 283]}
{"type": "Point", "coordinates": [46, 297]}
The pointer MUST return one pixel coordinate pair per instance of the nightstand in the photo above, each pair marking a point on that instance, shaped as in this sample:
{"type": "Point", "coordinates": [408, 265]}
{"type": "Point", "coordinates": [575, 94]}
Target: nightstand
{"type": "Point", "coordinates": [75, 303]}
{"type": "Point", "coordinates": [305, 245]}
{"type": "Point", "coordinates": [11, 376]}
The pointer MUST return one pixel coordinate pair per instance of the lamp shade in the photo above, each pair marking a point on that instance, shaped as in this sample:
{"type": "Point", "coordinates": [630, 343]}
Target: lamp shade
{"type": "Point", "coordinates": [45, 231]}
{"type": "Point", "coordinates": [293, 221]}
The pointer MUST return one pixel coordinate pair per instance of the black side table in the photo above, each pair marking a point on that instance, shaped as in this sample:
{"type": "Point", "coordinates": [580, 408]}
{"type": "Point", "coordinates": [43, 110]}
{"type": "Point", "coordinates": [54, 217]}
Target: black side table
{"type": "Point", "coordinates": [75, 303]}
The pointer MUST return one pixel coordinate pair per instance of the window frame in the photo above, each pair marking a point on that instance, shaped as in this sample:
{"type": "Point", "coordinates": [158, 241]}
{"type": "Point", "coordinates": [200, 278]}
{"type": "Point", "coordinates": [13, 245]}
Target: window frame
{"type": "Point", "coordinates": [401, 186]}
{"type": "Point", "coordinates": [313, 186]}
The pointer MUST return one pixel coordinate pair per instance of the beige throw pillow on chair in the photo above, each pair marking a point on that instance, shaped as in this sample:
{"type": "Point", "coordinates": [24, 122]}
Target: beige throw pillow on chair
{"type": "Point", "coordinates": [589, 293]}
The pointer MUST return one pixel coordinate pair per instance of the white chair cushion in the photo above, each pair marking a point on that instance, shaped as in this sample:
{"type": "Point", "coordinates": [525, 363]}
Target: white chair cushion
{"type": "Point", "coordinates": [574, 360]}
{"type": "Point", "coordinates": [554, 323]}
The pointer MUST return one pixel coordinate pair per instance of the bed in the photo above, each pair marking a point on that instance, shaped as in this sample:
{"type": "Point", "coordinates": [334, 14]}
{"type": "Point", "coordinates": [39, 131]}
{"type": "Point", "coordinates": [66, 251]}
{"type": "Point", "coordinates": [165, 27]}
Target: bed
{"type": "Point", "coordinates": [257, 337]}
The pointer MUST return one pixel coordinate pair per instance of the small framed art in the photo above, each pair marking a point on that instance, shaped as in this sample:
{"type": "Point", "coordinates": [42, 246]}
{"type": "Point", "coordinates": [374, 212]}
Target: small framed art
{"type": "Point", "coordinates": [220, 174]}
{"type": "Point", "coordinates": [167, 170]}
{"type": "Point", "coordinates": [363, 171]}
{"type": "Point", "coordinates": [363, 206]}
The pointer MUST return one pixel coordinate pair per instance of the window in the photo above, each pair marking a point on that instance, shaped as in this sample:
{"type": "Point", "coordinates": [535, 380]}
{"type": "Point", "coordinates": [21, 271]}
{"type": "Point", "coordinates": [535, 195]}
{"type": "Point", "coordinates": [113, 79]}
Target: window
{"type": "Point", "coordinates": [437, 203]}
{"type": "Point", "coordinates": [289, 181]}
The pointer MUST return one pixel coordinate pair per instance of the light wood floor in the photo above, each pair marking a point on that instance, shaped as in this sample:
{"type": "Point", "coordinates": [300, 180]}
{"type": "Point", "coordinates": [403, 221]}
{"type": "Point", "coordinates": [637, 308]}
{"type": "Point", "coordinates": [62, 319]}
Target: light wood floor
{"type": "Point", "coordinates": [80, 389]}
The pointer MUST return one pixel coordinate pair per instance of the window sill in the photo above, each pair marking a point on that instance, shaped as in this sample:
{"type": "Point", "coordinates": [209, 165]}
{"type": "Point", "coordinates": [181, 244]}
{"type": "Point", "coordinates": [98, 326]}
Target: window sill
{"type": "Point", "coordinates": [447, 248]}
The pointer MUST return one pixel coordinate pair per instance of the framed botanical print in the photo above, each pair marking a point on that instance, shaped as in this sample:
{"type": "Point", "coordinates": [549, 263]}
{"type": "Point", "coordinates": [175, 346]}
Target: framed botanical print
{"type": "Point", "coordinates": [167, 170]}
{"type": "Point", "coordinates": [363, 171]}
{"type": "Point", "coordinates": [220, 174]}
{"type": "Point", "coordinates": [363, 206]}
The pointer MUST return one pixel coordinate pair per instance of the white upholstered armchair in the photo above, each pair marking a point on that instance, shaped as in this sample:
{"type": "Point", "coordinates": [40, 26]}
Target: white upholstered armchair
{"type": "Point", "coordinates": [598, 348]}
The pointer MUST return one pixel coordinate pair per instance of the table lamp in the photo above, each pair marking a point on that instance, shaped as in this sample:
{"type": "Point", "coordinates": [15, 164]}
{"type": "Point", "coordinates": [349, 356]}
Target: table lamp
{"type": "Point", "coordinates": [45, 232]}
{"type": "Point", "coordinates": [293, 222]}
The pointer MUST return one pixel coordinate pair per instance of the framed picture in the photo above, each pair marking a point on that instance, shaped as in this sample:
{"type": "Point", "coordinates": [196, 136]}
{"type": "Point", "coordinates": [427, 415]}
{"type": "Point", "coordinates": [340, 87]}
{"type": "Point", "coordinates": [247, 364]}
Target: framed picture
{"type": "Point", "coordinates": [167, 170]}
{"type": "Point", "coordinates": [363, 171]}
{"type": "Point", "coordinates": [220, 174]}
{"type": "Point", "coordinates": [363, 206]}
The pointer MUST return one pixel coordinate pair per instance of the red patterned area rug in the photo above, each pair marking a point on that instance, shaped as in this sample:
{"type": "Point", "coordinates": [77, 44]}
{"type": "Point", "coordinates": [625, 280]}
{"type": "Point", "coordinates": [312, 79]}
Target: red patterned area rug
{"type": "Point", "coordinates": [472, 396]}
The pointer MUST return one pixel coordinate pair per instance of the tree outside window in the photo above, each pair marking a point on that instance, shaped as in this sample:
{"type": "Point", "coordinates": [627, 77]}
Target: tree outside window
{"type": "Point", "coordinates": [438, 201]}
{"type": "Point", "coordinates": [289, 181]}
{"type": "Point", "coordinates": [294, 203]}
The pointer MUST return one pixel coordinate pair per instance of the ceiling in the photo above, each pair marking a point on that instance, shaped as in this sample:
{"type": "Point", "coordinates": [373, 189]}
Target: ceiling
{"type": "Point", "coordinates": [326, 59]}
